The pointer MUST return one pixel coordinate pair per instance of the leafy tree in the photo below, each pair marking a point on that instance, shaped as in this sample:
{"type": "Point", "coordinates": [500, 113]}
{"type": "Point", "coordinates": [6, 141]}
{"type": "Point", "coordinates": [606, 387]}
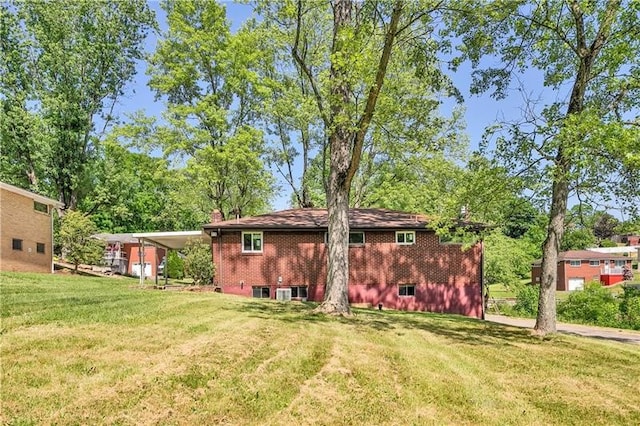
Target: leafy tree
{"type": "Point", "coordinates": [507, 260]}
{"type": "Point", "coordinates": [577, 239]}
{"type": "Point", "coordinates": [345, 50]}
{"type": "Point", "coordinates": [205, 75]}
{"type": "Point", "coordinates": [198, 262]}
{"type": "Point", "coordinates": [78, 245]}
{"type": "Point", "coordinates": [605, 226]}
{"type": "Point", "coordinates": [76, 57]}
{"type": "Point", "coordinates": [582, 142]}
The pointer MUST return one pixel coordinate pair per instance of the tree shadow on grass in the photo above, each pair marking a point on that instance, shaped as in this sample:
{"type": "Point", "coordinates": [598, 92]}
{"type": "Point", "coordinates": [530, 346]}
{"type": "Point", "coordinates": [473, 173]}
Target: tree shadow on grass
{"type": "Point", "coordinates": [458, 329]}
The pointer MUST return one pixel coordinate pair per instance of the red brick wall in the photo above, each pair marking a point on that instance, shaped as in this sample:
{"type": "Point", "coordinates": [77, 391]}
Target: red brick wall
{"type": "Point", "coordinates": [447, 279]}
{"type": "Point", "coordinates": [566, 271]}
{"type": "Point", "coordinates": [150, 256]}
{"type": "Point", "coordinates": [19, 220]}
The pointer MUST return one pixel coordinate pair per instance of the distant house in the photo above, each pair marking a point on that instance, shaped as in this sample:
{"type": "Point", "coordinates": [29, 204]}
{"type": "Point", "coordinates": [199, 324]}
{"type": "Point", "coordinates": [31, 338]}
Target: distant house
{"type": "Point", "coordinates": [577, 267]}
{"type": "Point", "coordinates": [123, 255]}
{"type": "Point", "coordinates": [26, 230]}
{"type": "Point", "coordinates": [395, 260]}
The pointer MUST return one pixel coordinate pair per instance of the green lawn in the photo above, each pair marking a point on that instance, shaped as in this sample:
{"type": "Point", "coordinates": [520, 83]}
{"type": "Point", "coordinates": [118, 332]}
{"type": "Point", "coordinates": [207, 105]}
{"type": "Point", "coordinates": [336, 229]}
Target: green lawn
{"type": "Point", "coordinates": [78, 350]}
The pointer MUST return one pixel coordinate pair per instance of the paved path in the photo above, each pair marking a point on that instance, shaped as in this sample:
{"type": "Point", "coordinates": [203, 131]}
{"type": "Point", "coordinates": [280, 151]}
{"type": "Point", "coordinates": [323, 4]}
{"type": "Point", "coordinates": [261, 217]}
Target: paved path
{"type": "Point", "coordinates": [619, 335]}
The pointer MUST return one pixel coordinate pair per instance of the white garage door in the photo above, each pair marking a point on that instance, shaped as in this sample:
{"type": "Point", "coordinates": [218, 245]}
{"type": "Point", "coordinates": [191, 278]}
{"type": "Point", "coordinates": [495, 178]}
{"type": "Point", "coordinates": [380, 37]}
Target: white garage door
{"type": "Point", "coordinates": [576, 284]}
{"type": "Point", "coordinates": [136, 269]}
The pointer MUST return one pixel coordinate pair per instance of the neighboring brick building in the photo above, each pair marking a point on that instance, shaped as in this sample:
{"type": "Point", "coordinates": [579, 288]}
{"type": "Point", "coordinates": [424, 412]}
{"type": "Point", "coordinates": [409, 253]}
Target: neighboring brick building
{"type": "Point", "coordinates": [577, 267]}
{"type": "Point", "coordinates": [26, 230]}
{"type": "Point", "coordinates": [394, 260]}
{"type": "Point", "coordinates": [122, 255]}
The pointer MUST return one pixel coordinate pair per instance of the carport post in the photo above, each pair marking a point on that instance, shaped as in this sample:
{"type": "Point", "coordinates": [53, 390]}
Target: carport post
{"type": "Point", "coordinates": [141, 254]}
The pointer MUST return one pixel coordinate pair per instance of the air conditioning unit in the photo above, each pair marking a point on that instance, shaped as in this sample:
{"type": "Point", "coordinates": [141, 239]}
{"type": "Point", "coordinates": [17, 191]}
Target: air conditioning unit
{"type": "Point", "coordinates": [283, 294]}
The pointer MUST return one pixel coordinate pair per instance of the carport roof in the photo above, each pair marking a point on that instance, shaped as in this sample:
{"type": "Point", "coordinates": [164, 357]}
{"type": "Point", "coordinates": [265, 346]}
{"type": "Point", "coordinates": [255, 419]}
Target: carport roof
{"type": "Point", "coordinates": [174, 240]}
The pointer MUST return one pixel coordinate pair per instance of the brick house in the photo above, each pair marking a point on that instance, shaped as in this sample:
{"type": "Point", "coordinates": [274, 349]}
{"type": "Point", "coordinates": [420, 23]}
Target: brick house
{"type": "Point", "coordinates": [122, 254]}
{"type": "Point", "coordinates": [395, 260]}
{"type": "Point", "coordinates": [577, 267]}
{"type": "Point", "coordinates": [26, 230]}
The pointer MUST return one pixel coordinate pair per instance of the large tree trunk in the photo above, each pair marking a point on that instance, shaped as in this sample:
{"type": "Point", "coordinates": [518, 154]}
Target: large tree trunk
{"type": "Point", "coordinates": [336, 296]}
{"type": "Point", "coordinates": [587, 54]}
{"type": "Point", "coordinates": [546, 320]}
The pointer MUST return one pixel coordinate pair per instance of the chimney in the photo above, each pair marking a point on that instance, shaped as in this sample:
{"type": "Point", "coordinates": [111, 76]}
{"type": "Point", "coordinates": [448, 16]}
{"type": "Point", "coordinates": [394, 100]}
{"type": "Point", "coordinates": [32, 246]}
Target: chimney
{"type": "Point", "coordinates": [216, 216]}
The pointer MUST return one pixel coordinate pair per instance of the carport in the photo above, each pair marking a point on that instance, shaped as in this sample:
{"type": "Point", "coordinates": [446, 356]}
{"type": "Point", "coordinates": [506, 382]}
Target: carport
{"type": "Point", "coordinates": [174, 240]}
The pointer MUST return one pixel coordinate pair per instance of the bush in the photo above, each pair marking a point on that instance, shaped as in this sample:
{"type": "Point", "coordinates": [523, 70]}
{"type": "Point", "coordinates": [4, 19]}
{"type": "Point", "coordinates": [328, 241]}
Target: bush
{"type": "Point", "coordinates": [198, 263]}
{"type": "Point", "coordinates": [593, 305]}
{"type": "Point", "coordinates": [527, 300]}
{"type": "Point", "coordinates": [630, 308]}
{"type": "Point", "coordinates": [174, 266]}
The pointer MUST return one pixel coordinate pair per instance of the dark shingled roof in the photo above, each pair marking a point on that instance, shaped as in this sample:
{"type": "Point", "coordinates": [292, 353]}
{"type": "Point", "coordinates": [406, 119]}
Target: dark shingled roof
{"type": "Point", "coordinates": [317, 219]}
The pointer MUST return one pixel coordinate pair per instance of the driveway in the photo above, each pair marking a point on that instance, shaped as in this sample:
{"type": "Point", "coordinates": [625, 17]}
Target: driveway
{"type": "Point", "coordinates": [619, 335]}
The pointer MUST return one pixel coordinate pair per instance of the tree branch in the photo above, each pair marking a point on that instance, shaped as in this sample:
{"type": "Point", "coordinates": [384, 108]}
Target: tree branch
{"type": "Point", "coordinates": [374, 91]}
{"type": "Point", "coordinates": [305, 69]}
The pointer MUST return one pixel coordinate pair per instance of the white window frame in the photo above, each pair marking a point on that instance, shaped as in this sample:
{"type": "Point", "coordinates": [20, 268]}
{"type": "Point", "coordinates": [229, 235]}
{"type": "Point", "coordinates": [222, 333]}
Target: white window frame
{"type": "Point", "coordinates": [298, 289]}
{"type": "Point", "coordinates": [572, 263]}
{"type": "Point", "coordinates": [594, 263]}
{"type": "Point", "coordinates": [404, 237]}
{"type": "Point", "coordinates": [253, 234]}
{"type": "Point", "coordinates": [406, 287]}
{"type": "Point", "coordinates": [261, 288]}
{"type": "Point", "coordinates": [326, 238]}
{"type": "Point", "coordinates": [619, 263]}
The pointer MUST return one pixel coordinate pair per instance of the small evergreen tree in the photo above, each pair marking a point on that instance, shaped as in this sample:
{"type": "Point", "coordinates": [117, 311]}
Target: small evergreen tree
{"type": "Point", "coordinates": [174, 267]}
{"type": "Point", "coordinates": [78, 245]}
{"type": "Point", "coordinates": [198, 263]}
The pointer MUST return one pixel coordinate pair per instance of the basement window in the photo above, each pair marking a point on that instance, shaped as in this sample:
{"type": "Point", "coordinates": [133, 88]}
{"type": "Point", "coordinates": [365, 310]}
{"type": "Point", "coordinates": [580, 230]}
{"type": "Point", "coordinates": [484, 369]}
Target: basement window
{"type": "Point", "coordinates": [407, 290]}
{"type": "Point", "coordinates": [40, 247]}
{"type": "Point", "coordinates": [16, 244]}
{"type": "Point", "coordinates": [261, 292]}
{"type": "Point", "coordinates": [299, 292]}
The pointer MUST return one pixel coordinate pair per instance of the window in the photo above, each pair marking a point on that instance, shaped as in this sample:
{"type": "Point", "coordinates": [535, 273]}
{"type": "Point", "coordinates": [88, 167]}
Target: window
{"type": "Point", "coordinates": [620, 263]}
{"type": "Point", "coordinates": [252, 242]}
{"type": "Point", "coordinates": [16, 244]}
{"type": "Point", "coordinates": [261, 292]}
{"type": "Point", "coordinates": [405, 237]}
{"type": "Point", "coordinates": [40, 207]}
{"type": "Point", "coordinates": [300, 292]}
{"type": "Point", "coordinates": [595, 263]}
{"type": "Point", "coordinates": [355, 238]}
{"type": "Point", "coordinates": [574, 262]}
{"type": "Point", "coordinates": [407, 290]}
{"type": "Point", "coordinates": [40, 247]}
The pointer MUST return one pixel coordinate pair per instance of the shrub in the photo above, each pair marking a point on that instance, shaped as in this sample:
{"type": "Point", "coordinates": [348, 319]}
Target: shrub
{"type": "Point", "coordinates": [593, 305]}
{"type": "Point", "coordinates": [174, 266]}
{"type": "Point", "coordinates": [527, 300]}
{"type": "Point", "coordinates": [630, 308]}
{"type": "Point", "coordinates": [198, 263]}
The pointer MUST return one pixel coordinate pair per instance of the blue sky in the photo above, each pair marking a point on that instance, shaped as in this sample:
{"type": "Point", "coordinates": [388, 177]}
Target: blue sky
{"type": "Point", "coordinates": [480, 111]}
